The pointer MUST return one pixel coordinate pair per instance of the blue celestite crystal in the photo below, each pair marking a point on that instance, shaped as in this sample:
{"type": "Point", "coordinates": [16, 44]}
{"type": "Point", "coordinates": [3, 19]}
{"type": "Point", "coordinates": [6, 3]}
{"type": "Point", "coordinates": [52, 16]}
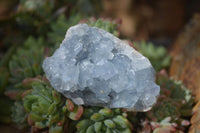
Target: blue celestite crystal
{"type": "Point", "coordinates": [93, 67]}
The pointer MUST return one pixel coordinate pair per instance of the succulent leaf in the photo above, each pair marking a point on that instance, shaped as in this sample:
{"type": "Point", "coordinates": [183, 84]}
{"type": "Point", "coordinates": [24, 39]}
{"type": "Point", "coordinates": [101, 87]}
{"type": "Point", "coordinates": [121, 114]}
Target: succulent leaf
{"type": "Point", "coordinates": [109, 123]}
{"type": "Point", "coordinates": [97, 117]}
{"type": "Point", "coordinates": [97, 126]}
{"type": "Point", "coordinates": [84, 124]}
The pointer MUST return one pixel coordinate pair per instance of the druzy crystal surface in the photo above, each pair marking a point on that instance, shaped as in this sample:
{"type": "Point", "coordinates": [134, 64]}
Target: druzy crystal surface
{"type": "Point", "coordinates": [93, 67]}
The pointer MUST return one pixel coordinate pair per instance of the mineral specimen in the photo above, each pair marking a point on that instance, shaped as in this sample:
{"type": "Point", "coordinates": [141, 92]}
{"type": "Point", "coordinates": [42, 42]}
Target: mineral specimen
{"type": "Point", "coordinates": [93, 67]}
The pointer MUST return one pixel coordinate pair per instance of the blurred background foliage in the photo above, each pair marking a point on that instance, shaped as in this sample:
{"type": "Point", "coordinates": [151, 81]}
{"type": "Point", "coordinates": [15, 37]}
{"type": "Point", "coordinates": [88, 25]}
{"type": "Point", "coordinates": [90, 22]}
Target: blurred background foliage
{"type": "Point", "coordinates": [30, 30]}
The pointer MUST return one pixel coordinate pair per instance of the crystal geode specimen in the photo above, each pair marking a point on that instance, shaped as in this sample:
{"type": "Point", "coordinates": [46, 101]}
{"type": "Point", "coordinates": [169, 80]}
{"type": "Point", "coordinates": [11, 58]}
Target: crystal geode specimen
{"type": "Point", "coordinates": [93, 67]}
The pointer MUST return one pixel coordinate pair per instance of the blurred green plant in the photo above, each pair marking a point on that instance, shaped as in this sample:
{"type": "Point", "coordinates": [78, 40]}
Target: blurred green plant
{"type": "Point", "coordinates": [41, 7]}
{"type": "Point", "coordinates": [165, 107]}
{"type": "Point", "coordinates": [5, 109]}
{"type": "Point", "coordinates": [59, 28]}
{"type": "Point", "coordinates": [5, 103]}
{"type": "Point", "coordinates": [25, 63]}
{"type": "Point", "coordinates": [35, 18]}
{"type": "Point", "coordinates": [88, 7]}
{"type": "Point", "coordinates": [19, 116]}
{"type": "Point", "coordinates": [3, 79]}
{"type": "Point", "coordinates": [108, 25]}
{"type": "Point", "coordinates": [7, 56]}
{"type": "Point", "coordinates": [156, 54]}
{"type": "Point", "coordinates": [4, 76]}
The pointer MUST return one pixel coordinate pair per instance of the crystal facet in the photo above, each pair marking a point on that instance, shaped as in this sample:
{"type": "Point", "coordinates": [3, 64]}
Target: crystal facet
{"type": "Point", "coordinates": [93, 67]}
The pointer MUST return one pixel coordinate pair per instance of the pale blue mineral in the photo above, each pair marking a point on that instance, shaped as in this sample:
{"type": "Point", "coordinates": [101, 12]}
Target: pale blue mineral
{"type": "Point", "coordinates": [94, 68]}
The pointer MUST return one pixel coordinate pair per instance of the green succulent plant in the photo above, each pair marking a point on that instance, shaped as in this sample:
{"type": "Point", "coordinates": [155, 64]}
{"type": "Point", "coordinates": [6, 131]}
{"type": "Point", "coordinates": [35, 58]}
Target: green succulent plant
{"type": "Point", "coordinates": [165, 107]}
{"type": "Point", "coordinates": [5, 103]}
{"type": "Point", "coordinates": [6, 57]}
{"type": "Point", "coordinates": [182, 96]}
{"type": "Point", "coordinates": [105, 24]}
{"type": "Point", "coordinates": [103, 121]}
{"type": "Point", "coordinates": [46, 108]}
{"type": "Point", "coordinates": [166, 126]}
{"type": "Point", "coordinates": [175, 101]}
{"type": "Point", "coordinates": [156, 54]}
{"type": "Point", "coordinates": [4, 76]}
{"type": "Point", "coordinates": [59, 28]}
{"type": "Point", "coordinates": [35, 16]}
{"type": "Point", "coordinates": [19, 115]}
{"type": "Point", "coordinates": [177, 90]}
{"type": "Point", "coordinates": [25, 63]}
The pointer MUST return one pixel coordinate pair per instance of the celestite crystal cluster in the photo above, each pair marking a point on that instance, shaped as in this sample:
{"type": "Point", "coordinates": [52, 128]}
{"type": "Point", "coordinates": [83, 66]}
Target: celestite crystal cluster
{"type": "Point", "coordinates": [92, 67]}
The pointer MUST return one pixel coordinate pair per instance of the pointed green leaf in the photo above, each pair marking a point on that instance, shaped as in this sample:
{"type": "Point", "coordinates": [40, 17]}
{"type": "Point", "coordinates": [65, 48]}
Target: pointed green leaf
{"type": "Point", "coordinates": [84, 124]}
